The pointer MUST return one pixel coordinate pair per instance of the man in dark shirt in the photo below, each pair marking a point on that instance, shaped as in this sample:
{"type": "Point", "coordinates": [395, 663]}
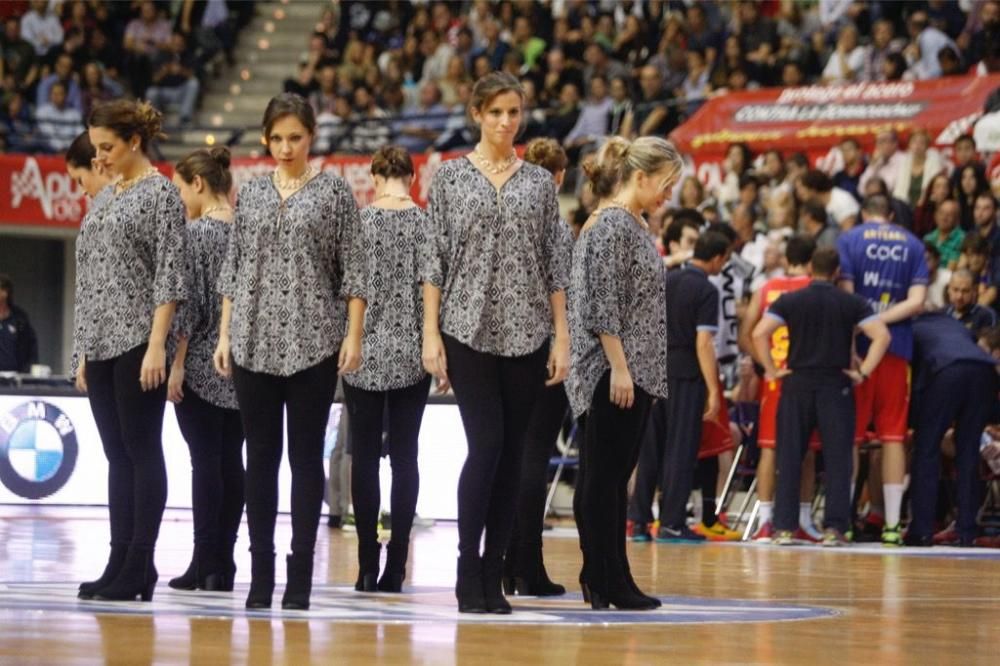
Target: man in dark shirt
{"type": "Point", "coordinates": [816, 391]}
{"type": "Point", "coordinates": [692, 377]}
{"type": "Point", "coordinates": [962, 289]}
{"type": "Point", "coordinates": [955, 382]}
{"type": "Point", "coordinates": [18, 344]}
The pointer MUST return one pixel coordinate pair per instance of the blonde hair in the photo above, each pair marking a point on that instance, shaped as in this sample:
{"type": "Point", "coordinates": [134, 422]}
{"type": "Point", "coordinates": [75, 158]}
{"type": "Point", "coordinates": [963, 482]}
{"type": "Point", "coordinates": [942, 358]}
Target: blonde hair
{"type": "Point", "coordinates": [619, 158]}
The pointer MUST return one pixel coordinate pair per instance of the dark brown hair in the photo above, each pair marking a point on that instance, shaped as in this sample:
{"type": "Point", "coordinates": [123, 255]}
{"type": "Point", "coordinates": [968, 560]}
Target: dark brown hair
{"type": "Point", "coordinates": [213, 167]}
{"type": "Point", "coordinates": [392, 162]}
{"type": "Point", "coordinates": [289, 104]}
{"type": "Point", "coordinates": [81, 152]}
{"type": "Point", "coordinates": [490, 86]}
{"type": "Point", "coordinates": [546, 153]}
{"type": "Point", "coordinates": [127, 118]}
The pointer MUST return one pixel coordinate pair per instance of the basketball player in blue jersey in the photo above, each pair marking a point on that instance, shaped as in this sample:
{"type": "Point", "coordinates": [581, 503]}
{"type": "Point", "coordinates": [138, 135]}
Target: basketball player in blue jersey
{"type": "Point", "coordinates": [885, 264]}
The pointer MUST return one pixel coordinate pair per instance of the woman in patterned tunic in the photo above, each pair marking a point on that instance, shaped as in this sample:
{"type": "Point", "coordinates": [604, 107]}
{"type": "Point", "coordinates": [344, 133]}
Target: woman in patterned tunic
{"type": "Point", "coordinates": [391, 382]}
{"type": "Point", "coordinates": [290, 266]}
{"type": "Point", "coordinates": [523, 565]}
{"type": "Point", "coordinates": [130, 277]}
{"type": "Point", "coordinates": [204, 401]}
{"type": "Point", "coordinates": [619, 351]}
{"type": "Point", "coordinates": [494, 292]}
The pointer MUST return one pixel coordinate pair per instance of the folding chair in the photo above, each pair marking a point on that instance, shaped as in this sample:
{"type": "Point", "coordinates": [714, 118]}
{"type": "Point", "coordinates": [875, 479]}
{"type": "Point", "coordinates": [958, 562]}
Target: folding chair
{"type": "Point", "coordinates": [568, 457]}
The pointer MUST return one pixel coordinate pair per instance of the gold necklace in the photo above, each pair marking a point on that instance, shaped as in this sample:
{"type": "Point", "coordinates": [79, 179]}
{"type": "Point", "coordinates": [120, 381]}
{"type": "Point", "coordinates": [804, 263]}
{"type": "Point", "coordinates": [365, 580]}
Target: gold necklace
{"type": "Point", "coordinates": [123, 184]}
{"type": "Point", "coordinates": [631, 211]}
{"type": "Point", "coordinates": [215, 209]}
{"type": "Point", "coordinates": [494, 168]}
{"type": "Point", "coordinates": [397, 197]}
{"type": "Point", "coordinates": [293, 183]}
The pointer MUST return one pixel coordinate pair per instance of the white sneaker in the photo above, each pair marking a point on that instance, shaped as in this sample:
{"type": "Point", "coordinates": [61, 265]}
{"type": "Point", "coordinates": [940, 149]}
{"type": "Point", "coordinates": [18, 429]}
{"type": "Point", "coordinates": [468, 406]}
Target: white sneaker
{"type": "Point", "coordinates": [813, 531]}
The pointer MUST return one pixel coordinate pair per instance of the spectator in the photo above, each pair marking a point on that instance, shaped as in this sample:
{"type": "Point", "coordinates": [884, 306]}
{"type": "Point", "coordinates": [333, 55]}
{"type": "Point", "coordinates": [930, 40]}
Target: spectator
{"type": "Point", "coordinates": [558, 72]}
{"type": "Point", "coordinates": [527, 43]}
{"type": "Point", "coordinates": [937, 282]}
{"type": "Point", "coordinates": [174, 80]}
{"type": "Point", "coordinates": [733, 59]}
{"type": "Point", "coordinates": [815, 222]}
{"type": "Point", "coordinates": [901, 213]}
{"type": "Point", "coordinates": [621, 105]}
{"type": "Point", "coordinates": [758, 34]}
{"type": "Point", "coordinates": [18, 344]}
{"type": "Point", "coordinates": [962, 306]}
{"type": "Point", "coordinates": [937, 191]}
{"type": "Point", "coordinates": [458, 129]}
{"type": "Point", "coordinates": [417, 136]}
{"type": "Point", "coordinates": [18, 65]}
{"type": "Point", "coordinates": [692, 194]}
{"type": "Point", "coordinates": [332, 127]}
{"type": "Point", "coordinates": [841, 206]}
{"type": "Point", "coordinates": [772, 171]}
{"type": "Point", "coordinates": [41, 28]}
{"type": "Point", "coordinates": [592, 124]}
{"type": "Point", "coordinates": [985, 216]}
{"type": "Point", "coordinates": [792, 74]}
{"type": "Point", "coordinates": [737, 162]}
{"type": "Point", "coordinates": [600, 64]}
{"type": "Point", "coordinates": [209, 28]}
{"type": "Point", "coordinates": [895, 68]}
{"type": "Point", "coordinates": [101, 49]}
{"type": "Point", "coordinates": [18, 125]}
{"type": "Point", "coordinates": [887, 160]}
{"type": "Point", "coordinates": [750, 242]}
{"type": "Point", "coordinates": [884, 43]}
{"type": "Point", "coordinates": [58, 122]}
{"type": "Point", "coordinates": [926, 42]}
{"type": "Point", "coordinates": [145, 37]}
{"type": "Point", "coordinates": [947, 237]}
{"type": "Point", "coordinates": [848, 178]}
{"type": "Point", "coordinates": [986, 33]}
{"type": "Point", "coordinates": [971, 183]}
{"type": "Point", "coordinates": [920, 164]}
{"type": "Point", "coordinates": [695, 88]}
{"type": "Point", "coordinates": [63, 74]}
{"type": "Point", "coordinates": [455, 76]}
{"type": "Point", "coordinates": [847, 61]}
{"type": "Point", "coordinates": [370, 131]}
{"type": "Point", "coordinates": [96, 87]}
{"type": "Point", "coordinates": [656, 113]}
{"type": "Point", "coordinates": [324, 98]}
{"type": "Point", "coordinates": [965, 155]}
{"type": "Point", "coordinates": [494, 48]}
{"type": "Point", "coordinates": [977, 260]}
{"type": "Point", "coordinates": [950, 62]}
{"type": "Point", "coordinates": [680, 237]}
{"type": "Point", "coordinates": [700, 34]}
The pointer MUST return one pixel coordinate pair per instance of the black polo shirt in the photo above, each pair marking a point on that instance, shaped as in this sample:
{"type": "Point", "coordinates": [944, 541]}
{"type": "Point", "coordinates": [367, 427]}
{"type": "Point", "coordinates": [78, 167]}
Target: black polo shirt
{"type": "Point", "coordinates": [692, 306]}
{"type": "Point", "coordinates": [821, 321]}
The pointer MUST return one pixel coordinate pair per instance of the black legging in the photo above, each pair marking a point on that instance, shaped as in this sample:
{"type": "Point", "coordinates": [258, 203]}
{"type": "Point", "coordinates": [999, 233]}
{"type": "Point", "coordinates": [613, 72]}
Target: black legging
{"type": "Point", "coordinates": [547, 418]}
{"type": "Point", "coordinates": [368, 417]}
{"type": "Point", "coordinates": [495, 396]}
{"type": "Point", "coordinates": [609, 454]}
{"type": "Point", "coordinates": [214, 436]}
{"type": "Point", "coordinates": [130, 422]}
{"type": "Point", "coordinates": [307, 396]}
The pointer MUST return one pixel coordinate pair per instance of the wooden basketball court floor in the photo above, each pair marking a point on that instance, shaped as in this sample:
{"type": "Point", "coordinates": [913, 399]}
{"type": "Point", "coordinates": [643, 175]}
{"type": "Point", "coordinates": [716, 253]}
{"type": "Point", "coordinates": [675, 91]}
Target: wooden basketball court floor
{"type": "Point", "coordinates": [723, 604]}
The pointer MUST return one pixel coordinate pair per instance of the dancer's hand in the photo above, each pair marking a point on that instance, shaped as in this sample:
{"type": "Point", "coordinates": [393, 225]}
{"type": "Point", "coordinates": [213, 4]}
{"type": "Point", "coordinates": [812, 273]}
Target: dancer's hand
{"type": "Point", "coordinates": [350, 355]}
{"type": "Point", "coordinates": [435, 360]}
{"type": "Point", "coordinates": [221, 358]}
{"type": "Point", "coordinates": [81, 375]}
{"type": "Point", "coordinates": [174, 383]}
{"type": "Point", "coordinates": [558, 365]}
{"type": "Point", "coordinates": [154, 368]}
{"type": "Point", "coordinates": [622, 388]}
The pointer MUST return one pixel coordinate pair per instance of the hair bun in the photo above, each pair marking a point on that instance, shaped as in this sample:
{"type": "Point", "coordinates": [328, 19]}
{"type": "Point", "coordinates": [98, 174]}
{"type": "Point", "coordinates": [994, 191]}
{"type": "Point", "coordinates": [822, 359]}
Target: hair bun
{"type": "Point", "coordinates": [221, 155]}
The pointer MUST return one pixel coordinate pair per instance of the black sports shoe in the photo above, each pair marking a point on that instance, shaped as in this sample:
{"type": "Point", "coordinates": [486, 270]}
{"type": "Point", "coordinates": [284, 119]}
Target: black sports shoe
{"type": "Point", "coordinates": [678, 535]}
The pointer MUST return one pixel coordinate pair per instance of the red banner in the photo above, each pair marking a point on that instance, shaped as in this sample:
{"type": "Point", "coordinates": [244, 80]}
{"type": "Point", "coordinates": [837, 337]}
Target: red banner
{"type": "Point", "coordinates": [815, 119]}
{"type": "Point", "coordinates": [40, 192]}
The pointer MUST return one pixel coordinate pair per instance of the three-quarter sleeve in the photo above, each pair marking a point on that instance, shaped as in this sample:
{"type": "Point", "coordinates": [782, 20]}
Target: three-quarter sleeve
{"type": "Point", "coordinates": [434, 262]}
{"type": "Point", "coordinates": [227, 285]}
{"type": "Point", "coordinates": [169, 284]}
{"type": "Point", "coordinates": [558, 245]}
{"type": "Point", "coordinates": [189, 312]}
{"type": "Point", "coordinates": [604, 280]}
{"type": "Point", "coordinates": [350, 248]}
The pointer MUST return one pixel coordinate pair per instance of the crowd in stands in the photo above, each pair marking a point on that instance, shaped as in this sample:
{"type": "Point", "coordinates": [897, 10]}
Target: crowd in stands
{"type": "Point", "coordinates": [593, 68]}
{"type": "Point", "coordinates": [61, 57]}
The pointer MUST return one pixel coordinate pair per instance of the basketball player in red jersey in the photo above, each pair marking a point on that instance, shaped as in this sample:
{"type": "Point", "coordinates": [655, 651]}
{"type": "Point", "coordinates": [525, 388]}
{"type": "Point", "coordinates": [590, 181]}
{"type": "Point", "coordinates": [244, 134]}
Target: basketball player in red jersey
{"type": "Point", "coordinates": [798, 253]}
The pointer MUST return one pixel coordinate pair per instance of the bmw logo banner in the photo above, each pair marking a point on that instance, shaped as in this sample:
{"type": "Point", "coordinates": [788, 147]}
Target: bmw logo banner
{"type": "Point", "coordinates": [38, 449]}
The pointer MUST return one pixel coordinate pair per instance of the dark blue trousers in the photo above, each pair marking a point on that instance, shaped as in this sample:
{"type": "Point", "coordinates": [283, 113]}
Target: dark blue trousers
{"type": "Point", "coordinates": [963, 393]}
{"type": "Point", "coordinates": [824, 401]}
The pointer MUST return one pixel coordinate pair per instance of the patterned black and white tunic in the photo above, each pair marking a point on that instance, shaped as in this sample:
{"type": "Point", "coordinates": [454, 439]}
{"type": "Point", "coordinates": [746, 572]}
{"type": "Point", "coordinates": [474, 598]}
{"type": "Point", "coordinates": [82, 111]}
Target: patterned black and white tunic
{"type": "Point", "coordinates": [617, 289]}
{"type": "Point", "coordinates": [497, 256]}
{"type": "Point", "coordinates": [129, 261]}
{"type": "Point", "coordinates": [289, 268]}
{"type": "Point", "coordinates": [198, 318]}
{"type": "Point", "coordinates": [391, 242]}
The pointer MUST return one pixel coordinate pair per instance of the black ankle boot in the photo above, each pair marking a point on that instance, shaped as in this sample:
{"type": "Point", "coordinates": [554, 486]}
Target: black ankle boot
{"type": "Point", "coordinates": [469, 586]}
{"type": "Point", "coordinates": [137, 578]}
{"type": "Point", "coordinates": [531, 579]}
{"type": "Point", "coordinates": [493, 588]}
{"type": "Point", "coordinates": [298, 589]}
{"type": "Point", "coordinates": [116, 559]}
{"type": "Point", "coordinates": [224, 580]}
{"type": "Point", "coordinates": [395, 567]}
{"type": "Point", "coordinates": [201, 574]}
{"type": "Point", "coordinates": [619, 594]}
{"type": "Point", "coordinates": [261, 580]}
{"type": "Point", "coordinates": [635, 587]}
{"type": "Point", "coordinates": [369, 553]}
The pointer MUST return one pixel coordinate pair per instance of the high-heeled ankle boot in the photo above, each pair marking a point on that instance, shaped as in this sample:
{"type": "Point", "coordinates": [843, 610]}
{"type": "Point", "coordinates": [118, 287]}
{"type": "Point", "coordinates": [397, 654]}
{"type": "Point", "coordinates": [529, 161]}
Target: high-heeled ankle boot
{"type": "Point", "coordinates": [617, 593]}
{"type": "Point", "coordinates": [492, 586]}
{"type": "Point", "coordinates": [137, 578]}
{"type": "Point", "coordinates": [226, 569]}
{"type": "Point", "coordinates": [261, 580]}
{"type": "Point", "coordinates": [369, 553]}
{"type": "Point", "coordinates": [116, 559]}
{"type": "Point", "coordinates": [531, 579]}
{"type": "Point", "coordinates": [395, 567]}
{"type": "Point", "coordinates": [469, 585]}
{"type": "Point", "coordinates": [298, 589]}
{"type": "Point", "coordinates": [201, 573]}
{"type": "Point", "coordinates": [630, 581]}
